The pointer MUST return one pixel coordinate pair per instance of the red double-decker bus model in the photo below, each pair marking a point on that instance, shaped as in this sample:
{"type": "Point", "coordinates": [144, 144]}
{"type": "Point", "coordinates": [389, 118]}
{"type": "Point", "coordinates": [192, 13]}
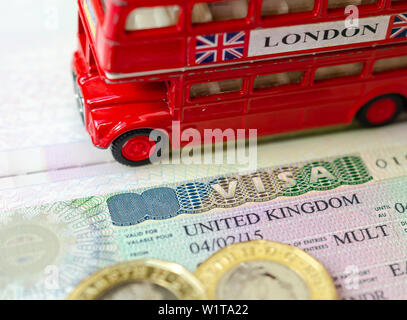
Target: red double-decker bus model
{"type": "Point", "coordinates": [271, 65]}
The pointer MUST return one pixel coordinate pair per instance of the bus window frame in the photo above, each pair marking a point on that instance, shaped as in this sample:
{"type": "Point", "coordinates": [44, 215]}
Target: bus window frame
{"type": "Point", "coordinates": [164, 31]}
{"type": "Point", "coordinates": [364, 74]}
{"type": "Point", "coordinates": [397, 72]}
{"type": "Point", "coordinates": [219, 26]}
{"type": "Point", "coordinates": [364, 10]}
{"type": "Point", "coordinates": [283, 88]}
{"type": "Point", "coordinates": [288, 18]}
{"type": "Point", "coordinates": [214, 98]}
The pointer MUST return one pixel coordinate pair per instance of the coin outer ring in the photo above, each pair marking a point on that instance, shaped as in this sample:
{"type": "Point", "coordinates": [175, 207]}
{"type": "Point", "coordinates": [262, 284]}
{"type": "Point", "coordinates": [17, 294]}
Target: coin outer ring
{"type": "Point", "coordinates": [171, 276]}
{"type": "Point", "coordinates": [307, 267]}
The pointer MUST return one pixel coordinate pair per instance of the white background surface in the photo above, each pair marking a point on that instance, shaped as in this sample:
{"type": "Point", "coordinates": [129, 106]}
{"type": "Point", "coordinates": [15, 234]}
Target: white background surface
{"type": "Point", "coordinates": [39, 116]}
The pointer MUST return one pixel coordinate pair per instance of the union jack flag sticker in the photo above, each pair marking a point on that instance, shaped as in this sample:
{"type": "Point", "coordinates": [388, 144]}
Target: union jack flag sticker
{"type": "Point", "coordinates": [220, 47]}
{"type": "Point", "coordinates": [399, 26]}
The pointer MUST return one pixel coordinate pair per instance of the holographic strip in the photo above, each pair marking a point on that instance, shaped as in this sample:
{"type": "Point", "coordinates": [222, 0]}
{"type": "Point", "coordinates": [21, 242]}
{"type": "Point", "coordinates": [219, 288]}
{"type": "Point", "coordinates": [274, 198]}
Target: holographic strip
{"type": "Point", "coordinates": [234, 190]}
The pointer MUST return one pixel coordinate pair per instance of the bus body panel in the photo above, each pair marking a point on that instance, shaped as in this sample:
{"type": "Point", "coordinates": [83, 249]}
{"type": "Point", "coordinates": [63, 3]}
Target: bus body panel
{"type": "Point", "coordinates": [275, 113]}
{"type": "Point", "coordinates": [110, 110]}
{"type": "Point", "coordinates": [328, 108]}
{"type": "Point", "coordinates": [143, 56]}
{"type": "Point", "coordinates": [107, 124]}
{"type": "Point", "coordinates": [220, 115]}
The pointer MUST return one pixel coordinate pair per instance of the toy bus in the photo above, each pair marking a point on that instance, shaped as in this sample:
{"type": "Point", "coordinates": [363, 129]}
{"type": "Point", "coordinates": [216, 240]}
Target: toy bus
{"type": "Point", "coordinates": [272, 65]}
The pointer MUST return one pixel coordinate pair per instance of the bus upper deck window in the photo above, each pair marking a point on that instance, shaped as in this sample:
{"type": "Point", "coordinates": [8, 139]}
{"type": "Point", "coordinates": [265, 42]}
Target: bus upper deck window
{"type": "Point", "coordinates": [276, 7]}
{"type": "Point", "coordinates": [337, 4]}
{"type": "Point", "coordinates": [152, 18]}
{"type": "Point", "coordinates": [218, 11]}
{"type": "Point", "coordinates": [390, 64]}
{"type": "Point", "coordinates": [212, 88]}
{"type": "Point", "coordinates": [338, 71]}
{"type": "Point", "coordinates": [277, 79]}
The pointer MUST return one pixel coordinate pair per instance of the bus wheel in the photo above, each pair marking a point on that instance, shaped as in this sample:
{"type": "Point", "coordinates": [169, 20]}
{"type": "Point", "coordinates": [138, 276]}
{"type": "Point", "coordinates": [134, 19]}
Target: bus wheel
{"type": "Point", "coordinates": [134, 148]}
{"type": "Point", "coordinates": [381, 111]}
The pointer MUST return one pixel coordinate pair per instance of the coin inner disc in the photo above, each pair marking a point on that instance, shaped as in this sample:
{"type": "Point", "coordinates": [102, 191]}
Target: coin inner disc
{"type": "Point", "coordinates": [138, 290]}
{"type": "Point", "coordinates": [262, 280]}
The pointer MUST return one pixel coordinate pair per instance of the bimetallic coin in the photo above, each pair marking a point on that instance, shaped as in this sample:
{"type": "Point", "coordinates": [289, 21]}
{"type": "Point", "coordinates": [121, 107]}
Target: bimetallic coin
{"type": "Point", "coordinates": [265, 270]}
{"type": "Point", "coordinates": [144, 279]}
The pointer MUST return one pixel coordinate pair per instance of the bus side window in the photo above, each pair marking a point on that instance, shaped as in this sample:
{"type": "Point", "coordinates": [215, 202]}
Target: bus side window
{"type": "Point", "coordinates": [152, 18]}
{"type": "Point", "coordinates": [219, 11]}
{"type": "Point", "coordinates": [390, 64]}
{"type": "Point", "coordinates": [276, 7]}
{"type": "Point", "coordinates": [277, 79]}
{"type": "Point", "coordinates": [336, 4]}
{"type": "Point", "coordinates": [212, 88]}
{"type": "Point", "coordinates": [338, 71]}
{"type": "Point", "coordinates": [398, 1]}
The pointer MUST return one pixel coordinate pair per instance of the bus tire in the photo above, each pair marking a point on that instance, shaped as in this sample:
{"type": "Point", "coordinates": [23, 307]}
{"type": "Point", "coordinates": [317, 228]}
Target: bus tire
{"type": "Point", "coordinates": [134, 148]}
{"type": "Point", "coordinates": [381, 111]}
